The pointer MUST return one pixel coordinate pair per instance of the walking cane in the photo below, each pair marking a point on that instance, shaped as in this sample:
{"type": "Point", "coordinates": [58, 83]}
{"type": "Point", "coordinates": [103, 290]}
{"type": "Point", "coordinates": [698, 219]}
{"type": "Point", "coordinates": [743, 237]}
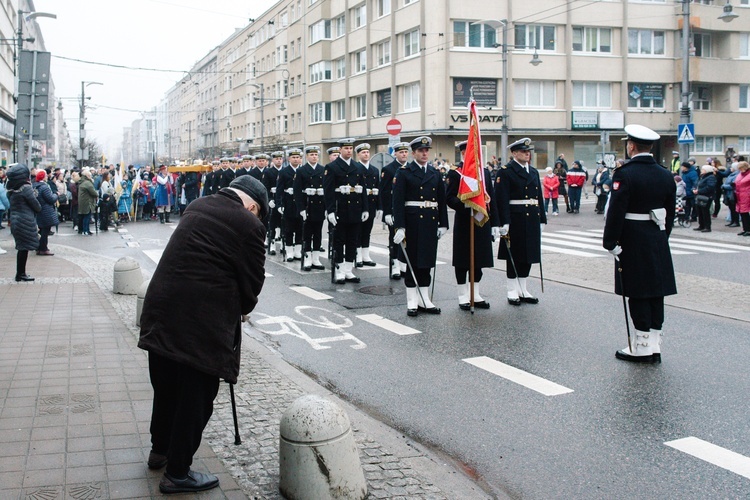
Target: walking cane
{"type": "Point", "coordinates": [237, 439]}
{"type": "Point", "coordinates": [413, 276]}
{"type": "Point", "coordinates": [624, 306]}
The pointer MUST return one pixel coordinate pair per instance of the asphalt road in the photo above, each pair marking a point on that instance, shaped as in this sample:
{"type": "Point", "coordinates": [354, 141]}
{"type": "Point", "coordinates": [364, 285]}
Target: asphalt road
{"type": "Point", "coordinates": [602, 432]}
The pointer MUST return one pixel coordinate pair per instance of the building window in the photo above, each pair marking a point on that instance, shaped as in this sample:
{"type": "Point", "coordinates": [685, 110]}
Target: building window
{"type": "Point", "coordinates": [709, 144]}
{"type": "Point", "coordinates": [383, 52]}
{"type": "Point", "coordinates": [411, 97]}
{"type": "Point", "coordinates": [320, 31]}
{"type": "Point", "coordinates": [339, 26]}
{"type": "Point", "coordinates": [744, 45]}
{"type": "Point", "coordinates": [320, 112]}
{"type": "Point", "coordinates": [359, 62]}
{"type": "Point", "coordinates": [468, 34]}
{"type": "Point", "coordinates": [383, 7]}
{"type": "Point", "coordinates": [744, 144]}
{"type": "Point", "coordinates": [291, 48]}
{"type": "Point", "coordinates": [359, 16]}
{"type": "Point", "coordinates": [745, 97]}
{"type": "Point", "coordinates": [701, 45]}
{"type": "Point", "coordinates": [535, 94]}
{"type": "Point", "coordinates": [646, 42]}
{"type": "Point", "coordinates": [592, 39]}
{"type": "Point", "coordinates": [535, 36]}
{"type": "Point", "coordinates": [359, 107]}
{"type": "Point", "coordinates": [339, 66]}
{"type": "Point", "coordinates": [339, 111]}
{"type": "Point", "coordinates": [284, 19]}
{"type": "Point", "coordinates": [646, 95]}
{"type": "Point", "coordinates": [411, 43]}
{"type": "Point", "coordinates": [592, 95]}
{"type": "Point", "coordinates": [320, 71]}
{"type": "Point", "coordinates": [701, 97]}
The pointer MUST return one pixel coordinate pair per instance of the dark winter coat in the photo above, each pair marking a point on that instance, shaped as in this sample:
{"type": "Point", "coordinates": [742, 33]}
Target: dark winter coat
{"type": "Point", "coordinates": [347, 207]}
{"type": "Point", "coordinates": [86, 196]}
{"type": "Point", "coordinates": [283, 198]}
{"type": "Point", "coordinates": [462, 228]}
{"type": "Point", "coordinates": [23, 208]}
{"type": "Point", "coordinates": [386, 187]}
{"type": "Point", "coordinates": [372, 185]}
{"type": "Point", "coordinates": [47, 217]}
{"type": "Point", "coordinates": [638, 187]}
{"type": "Point", "coordinates": [210, 274]}
{"type": "Point", "coordinates": [707, 185]}
{"type": "Point", "coordinates": [310, 178]}
{"type": "Point", "coordinates": [190, 183]}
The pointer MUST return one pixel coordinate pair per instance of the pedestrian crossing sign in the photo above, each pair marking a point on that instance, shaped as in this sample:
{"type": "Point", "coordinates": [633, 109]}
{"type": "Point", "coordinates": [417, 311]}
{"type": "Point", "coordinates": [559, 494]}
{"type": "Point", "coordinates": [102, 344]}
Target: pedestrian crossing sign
{"type": "Point", "coordinates": [686, 133]}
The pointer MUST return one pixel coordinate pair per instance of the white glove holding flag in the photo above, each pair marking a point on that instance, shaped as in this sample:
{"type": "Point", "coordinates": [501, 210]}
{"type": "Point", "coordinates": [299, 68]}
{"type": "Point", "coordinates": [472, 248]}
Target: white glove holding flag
{"type": "Point", "coordinates": [495, 233]}
{"type": "Point", "coordinates": [616, 251]}
{"type": "Point", "coordinates": [441, 232]}
{"type": "Point", "coordinates": [303, 214]}
{"type": "Point", "coordinates": [365, 216]}
{"type": "Point", "coordinates": [504, 229]}
{"type": "Point", "coordinates": [399, 236]}
{"type": "Point", "coordinates": [389, 219]}
{"type": "Point", "coordinates": [332, 219]}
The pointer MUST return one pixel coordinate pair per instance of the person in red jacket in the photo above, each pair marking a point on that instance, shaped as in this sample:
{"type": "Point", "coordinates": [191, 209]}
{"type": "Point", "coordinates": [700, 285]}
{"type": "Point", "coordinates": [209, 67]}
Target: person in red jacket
{"type": "Point", "coordinates": [576, 179]}
{"type": "Point", "coordinates": [551, 185]}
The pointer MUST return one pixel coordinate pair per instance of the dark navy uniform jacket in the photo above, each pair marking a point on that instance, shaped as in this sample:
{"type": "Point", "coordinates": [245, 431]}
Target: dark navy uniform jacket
{"type": "Point", "coordinates": [347, 207]}
{"type": "Point", "coordinates": [646, 262]}
{"type": "Point", "coordinates": [256, 172]}
{"type": "Point", "coordinates": [309, 177]}
{"type": "Point", "coordinates": [208, 184]}
{"type": "Point", "coordinates": [386, 187]}
{"type": "Point", "coordinates": [514, 183]}
{"type": "Point", "coordinates": [240, 172]}
{"type": "Point", "coordinates": [269, 178]}
{"type": "Point", "coordinates": [225, 176]}
{"type": "Point", "coordinates": [463, 219]}
{"type": "Point", "coordinates": [284, 199]}
{"type": "Point", "coordinates": [421, 224]}
{"type": "Point", "coordinates": [372, 181]}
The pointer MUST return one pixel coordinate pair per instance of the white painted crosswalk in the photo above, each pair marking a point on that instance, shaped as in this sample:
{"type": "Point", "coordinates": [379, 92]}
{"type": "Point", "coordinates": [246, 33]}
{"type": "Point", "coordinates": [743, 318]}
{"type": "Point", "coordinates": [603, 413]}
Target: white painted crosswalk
{"type": "Point", "coordinates": [713, 454]}
{"type": "Point", "coordinates": [526, 379]}
{"type": "Point", "coordinates": [589, 244]}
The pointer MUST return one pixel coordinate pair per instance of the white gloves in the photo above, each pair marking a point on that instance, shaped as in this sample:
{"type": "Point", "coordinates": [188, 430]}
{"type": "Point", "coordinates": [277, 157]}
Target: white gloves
{"type": "Point", "coordinates": [310, 191]}
{"type": "Point", "coordinates": [441, 232]}
{"type": "Point", "coordinates": [345, 189]}
{"type": "Point", "coordinates": [541, 228]}
{"type": "Point", "coordinates": [389, 219]}
{"type": "Point", "coordinates": [303, 214]}
{"type": "Point", "coordinates": [399, 236]}
{"type": "Point", "coordinates": [375, 191]}
{"type": "Point", "coordinates": [358, 189]}
{"type": "Point", "coordinates": [365, 216]}
{"type": "Point", "coordinates": [616, 251]}
{"type": "Point", "coordinates": [289, 190]}
{"type": "Point", "coordinates": [332, 219]}
{"type": "Point", "coordinates": [495, 233]}
{"type": "Point", "coordinates": [272, 204]}
{"type": "Point", "coordinates": [281, 210]}
{"type": "Point", "coordinates": [504, 229]}
{"type": "Point", "coordinates": [378, 214]}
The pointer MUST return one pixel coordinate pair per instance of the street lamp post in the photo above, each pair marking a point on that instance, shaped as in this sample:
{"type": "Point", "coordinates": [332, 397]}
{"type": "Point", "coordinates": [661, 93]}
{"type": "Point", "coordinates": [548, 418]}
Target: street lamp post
{"type": "Point", "coordinates": [82, 121]}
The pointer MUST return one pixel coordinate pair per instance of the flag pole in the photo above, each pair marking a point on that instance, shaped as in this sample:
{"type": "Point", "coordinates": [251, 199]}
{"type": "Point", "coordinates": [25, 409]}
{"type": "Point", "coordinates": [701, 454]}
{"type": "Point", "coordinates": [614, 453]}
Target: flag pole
{"type": "Point", "coordinates": [471, 260]}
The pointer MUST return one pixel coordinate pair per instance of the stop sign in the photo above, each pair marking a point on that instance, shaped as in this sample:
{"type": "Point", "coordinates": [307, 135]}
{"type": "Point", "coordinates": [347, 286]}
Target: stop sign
{"type": "Point", "coordinates": [393, 127]}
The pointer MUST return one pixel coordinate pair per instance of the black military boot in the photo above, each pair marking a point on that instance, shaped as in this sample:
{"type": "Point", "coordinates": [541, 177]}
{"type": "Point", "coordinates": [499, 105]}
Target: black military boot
{"type": "Point", "coordinates": [161, 218]}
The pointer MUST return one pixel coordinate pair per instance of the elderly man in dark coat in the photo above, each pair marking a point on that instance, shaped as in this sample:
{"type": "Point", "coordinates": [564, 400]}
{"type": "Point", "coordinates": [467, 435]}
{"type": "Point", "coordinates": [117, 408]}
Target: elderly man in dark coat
{"type": "Point", "coordinates": [215, 254]}
{"type": "Point", "coordinates": [638, 223]}
{"type": "Point", "coordinates": [23, 209]}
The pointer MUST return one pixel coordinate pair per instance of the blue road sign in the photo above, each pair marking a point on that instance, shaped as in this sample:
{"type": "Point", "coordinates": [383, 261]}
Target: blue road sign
{"type": "Point", "coordinates": [686, 133]}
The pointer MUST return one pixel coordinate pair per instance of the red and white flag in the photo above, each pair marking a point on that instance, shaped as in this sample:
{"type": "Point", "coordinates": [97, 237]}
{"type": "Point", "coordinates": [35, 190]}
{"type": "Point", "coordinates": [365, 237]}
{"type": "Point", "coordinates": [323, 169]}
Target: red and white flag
{"type": "Point", "coordinates": [471, 189]}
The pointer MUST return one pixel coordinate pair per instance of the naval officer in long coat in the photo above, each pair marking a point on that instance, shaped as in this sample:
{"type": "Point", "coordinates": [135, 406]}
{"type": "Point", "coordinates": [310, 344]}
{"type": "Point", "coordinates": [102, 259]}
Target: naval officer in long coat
{"type": "Point", "coordinates": [420, 216]}
{"type": "Point", "coordinates": [401, 154]}
{"type": "Point", "coordinates": [638, 223]}
{"type": "Point", "coordinates": [308, 196]}
{"type": "Point", "coordinates": [519, 196]}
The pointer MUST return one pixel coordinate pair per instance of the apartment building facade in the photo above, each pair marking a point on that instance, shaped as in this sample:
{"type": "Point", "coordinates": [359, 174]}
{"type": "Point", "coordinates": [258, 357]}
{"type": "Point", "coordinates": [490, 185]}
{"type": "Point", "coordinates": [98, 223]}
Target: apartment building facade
{"type": "Point", "coordinates": [329, 69]}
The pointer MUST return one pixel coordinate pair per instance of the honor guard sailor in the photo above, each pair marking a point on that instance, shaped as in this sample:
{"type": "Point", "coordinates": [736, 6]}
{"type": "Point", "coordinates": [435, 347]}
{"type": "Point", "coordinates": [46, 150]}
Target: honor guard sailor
{"type": "Point", "coordinates": [346, 204]}
{"type": "Point", "coordinates": [401, 153]}
{"type": "Point", "coordinates": [420, 216]}
{"type": "Point", "coordinates": [483, 236]}
{"type": "Point", "coordinates": [308, 196]}
{"type": "Point", "coordinates": [269, 178]}
{"type": "Point", "coordinates": [371, 185]}
{"type": "Point", "coordinates": [208, 179]}
{"type": "Point", "coordinates": [519, 196]}
{"type": "Point", "coordinates": [636, 231]}
{"type": "Point", "coordinates": [286, 206]}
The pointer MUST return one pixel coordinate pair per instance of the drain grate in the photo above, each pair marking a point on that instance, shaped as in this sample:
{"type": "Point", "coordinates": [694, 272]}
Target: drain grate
{"type": "Point", "coordinates": [382, 291]}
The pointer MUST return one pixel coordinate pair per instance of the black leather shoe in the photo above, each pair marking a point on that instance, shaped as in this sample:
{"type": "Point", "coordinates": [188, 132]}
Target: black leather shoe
{"type": "Point", "coordinates": [707, 230]}
{"type": "Point", "coordinates": [290, 258]}
{"type": "Point", "coordinates": [369, 263]}
{"type": "Point", "coordinates": [429, 310]}
{"type": "Point", "coordinates": [530, 300]}
{"type": "Point", "coordinates": [360, 264]}
{"type": "Point", "coordinates": [195, 481]}
{"type": "Point", "coordinates": [465, 307]}
{"type": "Point", "coordinates": [307, 268]}
{"type": "Point", "coordinates": [656, 357]}
{"type": "Point", "coordinates": [514, 302]}
{"type": "Point", "coordinates": [396, 276]}
{"type": "Point", "coordinates": [340, 281]}
{"type": "Point", "coordinates": [411, 312]}
{"type": "Point", "coordinates": [732, 225]}
{"type": "Point", "coordinates": [743, 233]}
{"type": "Point", "coordinates": [24, 277]}
{"type": "Point", "coordinates": [272, 252]}
{"type": "Point", "coordinates": [636, 359]}
{"type": "Point", "coordinates": [482, 304]}
{"type": "Point", "coordinates": [698, 228]}
{"type": "Point", "coordinates": [320, 268]}
{"type": "Point", "coordinates": [156, 460]}
{"type": "Point", "coordinates": [353, 280]}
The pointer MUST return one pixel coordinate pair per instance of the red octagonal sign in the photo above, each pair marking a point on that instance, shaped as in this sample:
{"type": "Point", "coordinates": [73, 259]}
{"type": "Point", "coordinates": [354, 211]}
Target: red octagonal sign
{"type": "Point", "coordinates": [393, 127]}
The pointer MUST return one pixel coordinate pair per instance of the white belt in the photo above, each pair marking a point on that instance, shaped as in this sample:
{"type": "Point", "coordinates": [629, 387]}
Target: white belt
{"type": "Point", "coordinates": [421, 204]}
{"type": "Point", "coordinates": [524, 202]}
{"type": "Point", "coordinates": [632, 216]}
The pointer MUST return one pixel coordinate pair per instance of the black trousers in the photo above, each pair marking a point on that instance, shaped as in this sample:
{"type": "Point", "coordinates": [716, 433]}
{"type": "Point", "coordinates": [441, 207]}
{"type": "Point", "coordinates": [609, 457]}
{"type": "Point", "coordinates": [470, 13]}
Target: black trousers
{"type": "Point", "coordinates": [43, 238]}
{"type": "Point", "coordinates": [21, 258]}
{"type": "Point", "coordinates": [346, 241]}
{"type": "Point", "coordinates": [364, 232]}
{"type": "Point", "coordinates": [292, 231]}
{"type": "Point", "coordinates": [462, 274]}
{"type": "Point", "coordinates": [523, 269]}
{"type": "Point", "coordinates": [313, 234]}
{"type": "Point", "coordinates": [704, 216]}
{"type": "Point", "coordinates": [423, 277]}
{"type": "Point", "coordinates": [690, 212]}
{"type": "Point", "coordinates": [745, 221]}
{"type": "Point", "coordinates": [647, 314]}
{"type": "Point", "coordinates": [183, 403]}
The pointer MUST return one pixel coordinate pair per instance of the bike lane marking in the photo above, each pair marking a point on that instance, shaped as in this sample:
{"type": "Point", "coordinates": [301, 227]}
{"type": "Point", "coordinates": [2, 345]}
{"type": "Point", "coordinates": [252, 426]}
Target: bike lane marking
{"type": "Point", "coordinates": [388, 324]}
{"type": "Point", "coordinates": [713, 454]}
{"type": "Point", "coordinates": [526, 379]}
{"type": "Point", "coordinates": [314, 319]}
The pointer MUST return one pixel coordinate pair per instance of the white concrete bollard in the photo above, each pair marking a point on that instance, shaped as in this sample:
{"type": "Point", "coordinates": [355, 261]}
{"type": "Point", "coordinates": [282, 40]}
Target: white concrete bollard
{"type": "Point", "coordinates": [318, 458]}
{"type": "Point", "coordinates": [128, 277]}
{"type": "Point", "coordinates": [139, 302]}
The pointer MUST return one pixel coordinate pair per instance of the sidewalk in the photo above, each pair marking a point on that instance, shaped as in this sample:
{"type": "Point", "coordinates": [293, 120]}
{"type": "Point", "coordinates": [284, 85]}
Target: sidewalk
{"type": "Point", "coordinates": [75, 401]}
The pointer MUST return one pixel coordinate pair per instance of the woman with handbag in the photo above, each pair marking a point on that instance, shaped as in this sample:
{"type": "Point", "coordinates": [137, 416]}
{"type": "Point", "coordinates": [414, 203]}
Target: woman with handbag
{"type": "Point", "coordinates": [704, 194]}
{"type": "Point", "coordinates": [23, 209]}
{"type": "Point", "coordinates": [742, 194]}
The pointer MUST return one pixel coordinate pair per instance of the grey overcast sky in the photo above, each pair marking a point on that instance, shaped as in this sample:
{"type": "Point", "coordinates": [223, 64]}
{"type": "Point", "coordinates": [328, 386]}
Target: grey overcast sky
{"type": "Point", "coordinates": [159, 34]}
